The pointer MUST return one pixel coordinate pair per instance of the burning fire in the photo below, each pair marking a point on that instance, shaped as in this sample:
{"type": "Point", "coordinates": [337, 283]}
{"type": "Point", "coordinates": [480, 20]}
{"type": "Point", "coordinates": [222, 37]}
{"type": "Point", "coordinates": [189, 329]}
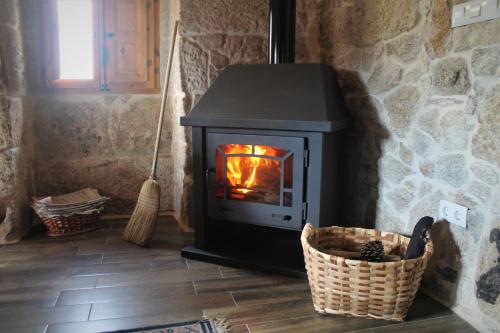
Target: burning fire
{"type": "Point", "coordinates": [247, 172]}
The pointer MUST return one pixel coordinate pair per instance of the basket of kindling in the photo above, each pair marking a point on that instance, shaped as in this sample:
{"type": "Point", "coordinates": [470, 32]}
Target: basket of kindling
{"type": "Point", "coordinates": [346, 285]}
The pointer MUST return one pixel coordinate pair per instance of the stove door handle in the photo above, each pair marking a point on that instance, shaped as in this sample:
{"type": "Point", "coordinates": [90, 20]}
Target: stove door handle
{"type": "Point", "coordinates": [282, 217]}
{"type": "Point", "coordinates": [207, 175]}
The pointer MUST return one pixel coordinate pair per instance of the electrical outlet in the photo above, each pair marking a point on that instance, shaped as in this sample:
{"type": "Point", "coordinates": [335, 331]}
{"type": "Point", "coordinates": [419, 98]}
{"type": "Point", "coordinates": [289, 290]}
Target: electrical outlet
{"type": "Point", "coordinates": [475, 11]}
{"type": "Point", "coordinates": [453, 213]}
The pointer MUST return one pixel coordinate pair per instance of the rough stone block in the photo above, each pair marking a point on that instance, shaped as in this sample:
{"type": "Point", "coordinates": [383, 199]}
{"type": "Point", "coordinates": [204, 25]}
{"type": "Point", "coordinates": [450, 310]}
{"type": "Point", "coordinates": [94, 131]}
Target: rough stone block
{"type": "Point", "coordinates": [132, 127]}
{"type": "Point", "coordinates": [486, 141]}
{"type": "Point", "coordinates": [402, 196]}
{"type": "Point", "coordinates": [475, 221]}
{"type": "Point", "coordinates": [463, 198]}
{"type": "Point", "coordinates": [427, 168]}
{"type": "Point", "coordinates": [70, 127]}
{"type": "Point", "coordinates": [14, 66]}
{"type": "Point", "coordinates": [401, 106]}
{"type": "Point", "coordinates": [413, 72]}
{"type": "Point", "coordinates": [20, 118]}
{"type": "Point", "coordinates": [453, 130]}
{"type": "Point", "coordinates": [387, 219]}
{"type": "Point", "coordinates": [5, 139]}
{"type": "Point", "coordinates": [478, 34]}
{"type": "Point", "coordinates": [437, 30]}
{"type": "Point", "coordinates": [451, 169]}
{"type": "Point", "coordinates": [485, 173]}
{"type": "Point", "coordinates": [194, 67]}
{"type": "Point", "coordinates": [229, 16]}
{"type": "Point", "coordinates": [428, 122]}
{"type": "Point", "coordinates": [405, 154]}
{"type": "Point", "coordinates": [364, 23]}
{"type": "Point", "coordinates": [424, 189]}
{"type": "Point", "coordinates": [385, 76]}
{"type": "Point", "coordinates": [421, 143]}
{"type": "Point", "coordinates": [394, 170]}
{"type": "Point", "coordinates": [486, 62]}
{"type": "Point", "coordinates": [234, 50]}
{"type": "Point", "coordinates": [16, 220]}
{"type": "Point", "coordinates": [480, 191]}
{"type": "Point", "coordinates": [425, 207]}
{"type": "Point", "coordinates": [8, 172]}
{"type": "Point", "coordinates": [450, 76]}
{"type": "Point", "coordinates": [406, 47]}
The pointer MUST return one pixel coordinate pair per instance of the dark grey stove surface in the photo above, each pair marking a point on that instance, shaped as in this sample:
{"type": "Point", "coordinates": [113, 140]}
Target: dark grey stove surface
{"type": "Point", "coordinates": [301, 97]}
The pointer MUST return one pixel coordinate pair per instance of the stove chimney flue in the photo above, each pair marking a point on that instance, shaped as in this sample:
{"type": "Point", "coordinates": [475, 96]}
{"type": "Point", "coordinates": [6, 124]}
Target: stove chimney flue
{"type": "Point", "coordinates": [281, 31]}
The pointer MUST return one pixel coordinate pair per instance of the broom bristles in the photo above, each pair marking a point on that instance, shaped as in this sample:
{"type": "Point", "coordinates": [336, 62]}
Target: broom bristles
{"type": "Point", "coordinates": [142, 224]}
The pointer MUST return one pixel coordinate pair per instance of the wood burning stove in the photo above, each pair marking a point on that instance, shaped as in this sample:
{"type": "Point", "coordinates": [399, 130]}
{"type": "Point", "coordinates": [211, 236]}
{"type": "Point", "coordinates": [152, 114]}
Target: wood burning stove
{"type": "Point", "coordinates": [267, 154]}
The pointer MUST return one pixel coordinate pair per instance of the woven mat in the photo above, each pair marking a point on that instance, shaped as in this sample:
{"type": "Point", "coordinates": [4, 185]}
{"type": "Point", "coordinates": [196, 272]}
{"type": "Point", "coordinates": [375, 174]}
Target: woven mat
{"type": "Point", "coordinates": [198, 326]}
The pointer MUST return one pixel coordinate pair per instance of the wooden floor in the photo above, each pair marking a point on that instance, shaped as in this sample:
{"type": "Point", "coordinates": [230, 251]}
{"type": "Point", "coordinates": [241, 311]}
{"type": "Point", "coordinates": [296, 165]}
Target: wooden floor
{"type": "Point", "coordinates": [95, 282]}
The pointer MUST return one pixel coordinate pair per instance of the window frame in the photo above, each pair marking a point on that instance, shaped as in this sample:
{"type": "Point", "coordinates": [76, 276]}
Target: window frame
{"type": "Point", "coordinates": [99, 83]}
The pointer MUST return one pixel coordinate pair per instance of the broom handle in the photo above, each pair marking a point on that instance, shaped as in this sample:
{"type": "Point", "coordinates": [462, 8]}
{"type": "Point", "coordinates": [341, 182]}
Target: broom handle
{"type": "Point", "coordinates": [164, 101]}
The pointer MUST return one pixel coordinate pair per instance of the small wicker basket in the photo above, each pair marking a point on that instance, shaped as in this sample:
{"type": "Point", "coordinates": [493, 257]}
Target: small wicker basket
{"type": "Point", "coordinates": [381, 290]}
{"type": "Point", "coordinates": [70, 225]}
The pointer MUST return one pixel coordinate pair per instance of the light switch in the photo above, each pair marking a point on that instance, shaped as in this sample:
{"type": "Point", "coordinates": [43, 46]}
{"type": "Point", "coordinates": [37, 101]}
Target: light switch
{"type": "Point", "coordinates": [475, 11]}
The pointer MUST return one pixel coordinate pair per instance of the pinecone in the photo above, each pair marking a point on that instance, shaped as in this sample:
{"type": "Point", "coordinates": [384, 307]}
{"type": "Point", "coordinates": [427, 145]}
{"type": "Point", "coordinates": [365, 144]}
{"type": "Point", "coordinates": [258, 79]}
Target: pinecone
{"type": "Point", "coordinates": [373, 251]}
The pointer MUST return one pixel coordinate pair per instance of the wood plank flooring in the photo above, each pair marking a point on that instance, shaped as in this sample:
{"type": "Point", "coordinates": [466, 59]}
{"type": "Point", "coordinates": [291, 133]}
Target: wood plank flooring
{"type": "Point", "coordinates": [96, 282]}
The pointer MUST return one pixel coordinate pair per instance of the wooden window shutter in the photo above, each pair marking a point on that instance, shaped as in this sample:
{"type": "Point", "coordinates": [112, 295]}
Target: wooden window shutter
{"type": "Point", "coordinates": [129, 56]}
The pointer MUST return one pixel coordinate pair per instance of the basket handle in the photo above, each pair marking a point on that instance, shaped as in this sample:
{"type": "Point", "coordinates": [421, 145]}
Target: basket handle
{"type": "Point", "coordinates": [306, 232]}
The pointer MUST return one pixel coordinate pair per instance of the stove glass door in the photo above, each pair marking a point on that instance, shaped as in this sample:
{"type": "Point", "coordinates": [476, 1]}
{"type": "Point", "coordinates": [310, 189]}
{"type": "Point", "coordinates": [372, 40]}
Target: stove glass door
{"type": "Point", "coordinates": [255, 179]}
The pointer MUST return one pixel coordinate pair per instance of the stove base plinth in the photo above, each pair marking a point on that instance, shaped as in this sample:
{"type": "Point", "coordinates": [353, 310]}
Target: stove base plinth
{"type": "Point", "coordinates": [269, 263]}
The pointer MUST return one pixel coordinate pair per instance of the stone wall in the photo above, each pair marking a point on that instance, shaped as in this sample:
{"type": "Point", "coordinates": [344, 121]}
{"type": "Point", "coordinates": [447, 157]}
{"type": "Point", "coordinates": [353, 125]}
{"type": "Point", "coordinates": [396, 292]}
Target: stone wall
{"type": "Point", "coordinates": [425, 101]}
{"type": "Point", "coordinates": [16, 154]}
{"type": "Point", "coordinates": [104, 141]}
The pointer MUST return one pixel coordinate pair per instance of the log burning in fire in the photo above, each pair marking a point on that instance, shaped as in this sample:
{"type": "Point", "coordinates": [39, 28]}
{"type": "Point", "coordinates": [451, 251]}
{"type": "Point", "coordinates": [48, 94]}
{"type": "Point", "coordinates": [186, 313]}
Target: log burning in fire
{"type": "Point", "coordinates": [247, 173]}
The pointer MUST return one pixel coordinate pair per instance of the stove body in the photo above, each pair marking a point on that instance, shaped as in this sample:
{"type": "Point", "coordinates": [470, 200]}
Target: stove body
{"type": "Point", "coordinates": [267, 158]}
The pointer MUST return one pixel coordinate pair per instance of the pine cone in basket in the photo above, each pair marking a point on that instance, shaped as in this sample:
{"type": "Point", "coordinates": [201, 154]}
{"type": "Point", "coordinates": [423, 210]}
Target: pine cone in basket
{"type": "Point", "coordinates": [373, 251]}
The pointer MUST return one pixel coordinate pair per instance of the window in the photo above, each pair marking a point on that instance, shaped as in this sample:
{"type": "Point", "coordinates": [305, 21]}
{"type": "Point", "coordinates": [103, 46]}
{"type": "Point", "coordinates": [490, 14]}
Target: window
{"type": "Point", "coordinates": [108, 45]}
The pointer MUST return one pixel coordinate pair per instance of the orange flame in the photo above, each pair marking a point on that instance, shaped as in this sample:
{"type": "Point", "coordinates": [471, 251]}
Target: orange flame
{"type": "Point", "coordinates": [243, 171]}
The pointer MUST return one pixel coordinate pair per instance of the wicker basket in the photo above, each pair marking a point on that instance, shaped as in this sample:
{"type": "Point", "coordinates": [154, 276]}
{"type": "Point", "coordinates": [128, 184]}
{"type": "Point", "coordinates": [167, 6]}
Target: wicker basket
{"type": "Point", "coordinates": [70, 225]}
{"type": "Point", "coordinates": [356, 287]}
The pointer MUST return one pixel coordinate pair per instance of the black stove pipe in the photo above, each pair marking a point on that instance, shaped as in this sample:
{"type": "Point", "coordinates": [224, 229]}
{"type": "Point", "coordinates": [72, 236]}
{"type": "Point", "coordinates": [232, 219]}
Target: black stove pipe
{"type": "Point", "coordinates": [281, 31]}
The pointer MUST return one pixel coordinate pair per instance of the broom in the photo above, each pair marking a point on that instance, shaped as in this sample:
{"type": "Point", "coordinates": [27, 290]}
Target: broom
{"type": "Point", "coordinates": [142, 224]}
